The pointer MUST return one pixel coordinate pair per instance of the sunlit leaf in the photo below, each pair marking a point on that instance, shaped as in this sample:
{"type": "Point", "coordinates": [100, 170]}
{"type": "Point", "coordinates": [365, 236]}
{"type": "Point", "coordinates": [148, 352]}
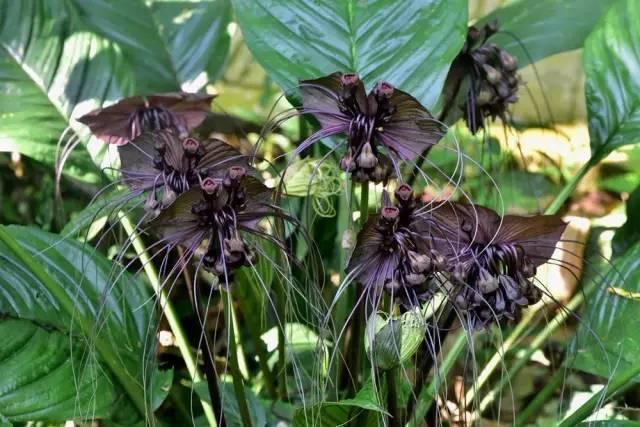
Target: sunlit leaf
{"type": "Point", "coordinates": [534, 30]}
{"type": "Point", "coordinates": [410, 44]}
{"type": "Point", "coordinates": [612, 67]}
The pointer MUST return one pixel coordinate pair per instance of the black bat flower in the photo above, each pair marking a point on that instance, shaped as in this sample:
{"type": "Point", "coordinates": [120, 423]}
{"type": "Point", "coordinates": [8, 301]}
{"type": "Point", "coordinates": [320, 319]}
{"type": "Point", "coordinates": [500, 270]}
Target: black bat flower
{"type": "Point", "coordinates": [493, 262]}
{"type": "Point", "coordinates": [213, 217]}
{"type": "Point", "coordinates": [395, 250]}
{"type": "Point", "coordinates": [382, 127]}
{"type": "Point", "coordinates": [130, 117]}
{"type": "Point", "coordinates": [488, 74]}
{"type": "Point", "coordinates": [164, 165]}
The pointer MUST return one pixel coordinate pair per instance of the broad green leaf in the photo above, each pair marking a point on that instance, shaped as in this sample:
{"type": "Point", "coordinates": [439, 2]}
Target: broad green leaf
{"type": "Point", "coordinates": [110, 321]}
{"type": "Point", "coordinates": [50, 73]}
{"type": "Point", "coordinates": [534, 30]}
{"type": "Point", "coordinates": [408, 43]}
{"type": "Point", "coordinates": [169, 44]}
{"type": "Point", "coordinates": [365, 405]}
{"type": "Point", "coordinates": [612, 68]}
{"type": "Point", "coordinates": [45, 378]}
{"type": "Point", "coordinates": [608, 340]}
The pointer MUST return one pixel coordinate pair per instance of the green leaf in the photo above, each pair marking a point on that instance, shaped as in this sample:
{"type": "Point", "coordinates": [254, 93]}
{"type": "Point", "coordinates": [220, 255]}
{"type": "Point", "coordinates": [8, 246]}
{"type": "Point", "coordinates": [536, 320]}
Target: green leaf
{"type": "Point", "coordinates": [50, 73]}
{"type": "Point", "coordinates": [169, 44]}
{"type": "Point", "coordinates": [99, 322]}
{"type": "Point", "coordinates": [365, 405]}
{"type": "Point", "coordinates": [410, 44]}
{"type": "Point", "coordinates": [545, 27]}
{"type": "Point", "coordinates": [607, 340]}
{"type": "Point", "coordinates": [627, 235]}
{"type": "Point", "coordinates": [612, 68]}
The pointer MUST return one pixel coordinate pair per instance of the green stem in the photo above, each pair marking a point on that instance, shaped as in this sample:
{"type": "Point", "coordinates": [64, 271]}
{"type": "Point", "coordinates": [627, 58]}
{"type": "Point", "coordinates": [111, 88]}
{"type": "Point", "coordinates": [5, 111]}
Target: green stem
{"type": "Point", "coordinates": [428, 394]}
{"type": "Point", "coordinates": [364, 204]}
{"type": "Point", "coordinates": [281, 305]}
{"type": "Point", "coordinates": [169, 312]}
{"type": "Point", "coordinates": [541, 398]}
{"type": "Point", "coordinates": [261, 352]}
{"type": "Point", "coordinates": [570, 186]}
{"type": "Point", "coordinates": [82, 321]}
{"type": "Point", "coordinates": [242, 359]}
{"type": "Point", "coordinates": [392, 398]}
{"type": "Point", "coordinates": [535, 344]}
{"type": "Point", "coordinates": [238, 381]}
{"type": "Point", "coordinates": [616, 386]}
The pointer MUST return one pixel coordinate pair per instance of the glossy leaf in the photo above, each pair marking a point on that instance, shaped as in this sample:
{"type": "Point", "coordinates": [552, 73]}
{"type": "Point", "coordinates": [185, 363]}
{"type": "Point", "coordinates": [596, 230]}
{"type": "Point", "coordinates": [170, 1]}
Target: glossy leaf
{"type": "Point", "coordinates": [534, 30]}
{"type": "Point", "coordinates": [118, 307]}
{"type": "Point", "coordinates": [257, 410]}
{"type": "Point", "coordinates": [627, 235]}
{"type": "Point", "coordinates": [169, 44]}
{"type": "Point", "coordinates": [608, 341]}
{"type": "Point", "coordinates": [409, 44]}
{"type": "Point", "coordinates": [612, 67]}
{"type": "Point", "coordinates": [51, 72]}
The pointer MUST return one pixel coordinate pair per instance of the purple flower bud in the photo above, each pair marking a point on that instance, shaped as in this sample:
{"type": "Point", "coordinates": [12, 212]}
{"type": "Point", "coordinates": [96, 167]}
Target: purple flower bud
{"type": "Point", "coordinates": [367, 159]}
{"type": "Point", "coordinates": [190, 146]}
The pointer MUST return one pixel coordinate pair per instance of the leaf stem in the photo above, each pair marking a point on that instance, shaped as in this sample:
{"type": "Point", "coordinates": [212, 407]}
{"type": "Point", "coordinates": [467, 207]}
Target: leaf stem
{"type": "Point", "coordinates": [541, 398]}
{"type": "Point", "coordinates": [281, 305]}
{"type": "Point", "coordinates": [570, 186]}
{"type": "Point", "coordinates": [392, 398]}
{"type": "Point", "coordinates": [261, 352]}
{"type": "Point", "coordinates": [169, 312]}
{"type": "Point", "coordinates": [238, 380]}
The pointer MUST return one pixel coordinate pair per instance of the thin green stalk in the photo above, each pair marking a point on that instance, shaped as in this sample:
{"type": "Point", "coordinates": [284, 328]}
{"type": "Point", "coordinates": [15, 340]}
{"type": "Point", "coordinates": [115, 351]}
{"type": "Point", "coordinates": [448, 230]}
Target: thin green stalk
{"type": "Point", "coordinates": [281, 305]}
{"type": "Point", "coordinates": [261, 352]}
{"type": "Point", "coordinates": [498, 356]}
{"type": "Point", "coordinates": [541, 398]}
{"type": "Point", "coordinates": [82, 321]}
{"type": "Point", "coordinates": [428, 394]}
{"type": "Point", "coordinates": [169, 312]}
{"type": "Point", "coordinates": [242, 359]}
{"type": "Point", "coordinates": [536, 343]}
{"type": "Point", "coordinates": [238, 381]}
{"type": "Point", "coordinates": [616, 386]}
{"type": "Point", "coordinates": [570, 187]}
{"type": "Point", "coordinates": [392, 398]}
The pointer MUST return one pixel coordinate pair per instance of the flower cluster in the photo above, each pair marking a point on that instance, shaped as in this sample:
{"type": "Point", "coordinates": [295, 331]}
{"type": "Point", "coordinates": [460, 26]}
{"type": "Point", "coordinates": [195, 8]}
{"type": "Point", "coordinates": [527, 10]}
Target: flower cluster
{"type": "Point", "coordinates": [483, 262]}
{"type": "Point", "coordinates": [200, 194]}
{"type": "Point", "coordinates": [382, 128]}
{"type": "Point", "coordinates": [490, 73]}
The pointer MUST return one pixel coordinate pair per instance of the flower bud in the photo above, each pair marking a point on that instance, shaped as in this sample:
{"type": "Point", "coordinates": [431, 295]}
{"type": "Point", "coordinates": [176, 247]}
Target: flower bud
{"type": "Point", "coordinates": [346, 163]}
{"type": "Point", "coordinates": [419, 263]}
{"type": "Point", "coordinates": [367, 159]}
{"type": "Point", "coordinates": [151, 203]}
{"type": "Point", "coordinates": [209, 186]}
{"type": "Point", "coordinates": [349, 79]}
{"type": "Point", "coordinates": [508, 62]}
{"type": "Point", "coordinates": [404, 193]}
{"type": "Point", "coordinates": [383, 90]}
{"type": "Point", "coordinates": [493, 75]}
{"type": "Point", "coordinates": [487, 283]}
{"type": "Point", "coordinates": [190, 146]}
{"type": "Point", "coordinates": [168, 197]}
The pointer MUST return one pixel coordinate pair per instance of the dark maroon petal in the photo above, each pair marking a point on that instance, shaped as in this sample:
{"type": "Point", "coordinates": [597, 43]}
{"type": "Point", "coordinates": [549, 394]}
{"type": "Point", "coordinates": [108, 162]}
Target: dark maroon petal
{"type": "Point", "coordinates": [220, 156]}
{"type": "Point", "coordinates": [136, 162]}
{"type": "Point", "coordinates": [370, 265]}
{"type": "Point", "coordinates": [190, 109]}
{"type": "Point", "coordinates": [412, 129]}
{"type": "Point", "coordinates": [321, 98]}
{"type": "Point", "coordinates": [111, 124]}
{"type": "Point", "coordinates": [538, 235]}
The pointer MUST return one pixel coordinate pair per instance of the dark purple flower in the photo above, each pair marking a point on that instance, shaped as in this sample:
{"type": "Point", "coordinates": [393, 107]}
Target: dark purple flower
{"type": "Point", "coordinates": [488, 73]}
{"type": "Point", "coordinates": [493, 260]}
{"type": "Point", "coordinates": [395, 250]}
{"type": "Point", "coordinates": [164, 165]}
{"type": "Point", "coordinates": [130, 117]}
{"type": "Point", "coordinates": [213, 217]}
{"type": "Point", "coordinates": [382, 127]}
